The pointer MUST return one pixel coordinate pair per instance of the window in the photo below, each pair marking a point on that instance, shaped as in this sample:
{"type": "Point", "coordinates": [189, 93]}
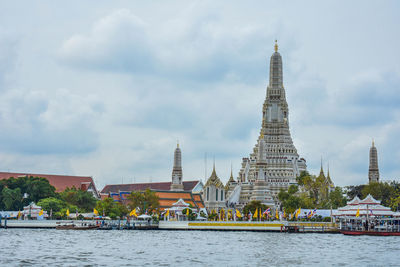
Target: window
{"type": "Point", "coordinates": [216, 194]}
{"type": "Point", "coordinates": [222, 195]}
{"type": "Point", "coordinates": [208, 192]}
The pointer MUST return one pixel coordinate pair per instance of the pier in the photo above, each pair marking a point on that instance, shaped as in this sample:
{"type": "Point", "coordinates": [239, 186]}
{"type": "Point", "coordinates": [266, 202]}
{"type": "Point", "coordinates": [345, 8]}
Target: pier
{"type": "Point", "coordinates": [267, 226]}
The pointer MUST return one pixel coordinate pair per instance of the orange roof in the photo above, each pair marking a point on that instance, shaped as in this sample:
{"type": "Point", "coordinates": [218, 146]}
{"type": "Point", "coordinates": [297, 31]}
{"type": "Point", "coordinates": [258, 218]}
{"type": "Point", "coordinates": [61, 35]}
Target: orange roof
{"type": "Point", "coordinates": [197, 197]}
{"type": "Point", "coordinates": [60, 182]}
{"type": "Point", "coordinates": [174, 195]}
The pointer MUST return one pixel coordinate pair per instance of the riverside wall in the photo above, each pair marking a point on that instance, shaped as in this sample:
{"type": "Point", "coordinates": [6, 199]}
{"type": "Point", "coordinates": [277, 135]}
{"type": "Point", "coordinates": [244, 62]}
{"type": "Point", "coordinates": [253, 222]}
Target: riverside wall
{"type": "Point", "coordinates": [273, 226]}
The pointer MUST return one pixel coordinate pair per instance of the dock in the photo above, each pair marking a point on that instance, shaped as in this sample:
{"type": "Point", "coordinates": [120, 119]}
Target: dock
{"type": "Point", "coordinates": [266, 226]}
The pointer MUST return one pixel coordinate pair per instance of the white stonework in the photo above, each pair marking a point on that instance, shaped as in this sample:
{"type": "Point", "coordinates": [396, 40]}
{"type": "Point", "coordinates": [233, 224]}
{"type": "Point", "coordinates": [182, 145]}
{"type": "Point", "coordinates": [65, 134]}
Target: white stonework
{"type": "Point", "coordinates": [274, 163]}
{"type": "Point", "coordinates": [177, 184]}
{"type": "Point", "coordinates": [214, 193]}
{"type": "Point", "coordinates": [373, 171]}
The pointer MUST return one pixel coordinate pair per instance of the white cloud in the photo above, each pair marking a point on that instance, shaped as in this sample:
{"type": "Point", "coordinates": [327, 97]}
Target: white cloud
{"type": "Point", "coordinates": [139, 76]}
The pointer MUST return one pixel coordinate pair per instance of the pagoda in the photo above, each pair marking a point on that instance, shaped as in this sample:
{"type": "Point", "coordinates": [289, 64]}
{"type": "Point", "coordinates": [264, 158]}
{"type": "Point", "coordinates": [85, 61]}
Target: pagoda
{"type": "Point", "coordinates": [274, 163]}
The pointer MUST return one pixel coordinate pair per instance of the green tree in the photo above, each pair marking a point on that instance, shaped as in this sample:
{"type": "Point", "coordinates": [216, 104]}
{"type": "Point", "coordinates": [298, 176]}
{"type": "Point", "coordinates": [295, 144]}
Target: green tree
{"type": "Point", "coordinates": [12, 198]}
{"type": "Point", "coordinates": [337, 198]}
{"type": "Point", "coordinates": [144, 200]}
{"type": "Point", "coordinates": [111, 208]}
{"type": "Point", "coordinates": [353, 191]}
{"type": "Point", "coordinates": [38, 188]}
{"type": "Point", "coordinates": [290, 201]}
{"type": "Point", "coordinates": [82, 199]}
{"type": "Point", "coordinates": [52, 203]}
{"type": "Point", "coordinates": [254, 205]}
{"type": "Point", "coordinates": [382, 191]}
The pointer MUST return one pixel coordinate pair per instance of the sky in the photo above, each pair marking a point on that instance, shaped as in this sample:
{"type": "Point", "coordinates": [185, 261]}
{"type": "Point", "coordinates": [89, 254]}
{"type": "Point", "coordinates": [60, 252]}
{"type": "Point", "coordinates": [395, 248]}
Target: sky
{"type": "Point", "coordinates": [106, 88]}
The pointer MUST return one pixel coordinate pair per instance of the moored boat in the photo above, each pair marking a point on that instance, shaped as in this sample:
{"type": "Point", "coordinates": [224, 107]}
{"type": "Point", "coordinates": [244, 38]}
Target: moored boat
{"type": "Point", "coordinates": [370, 226]}
{"type": "Point", "coordinates": [76, 226]}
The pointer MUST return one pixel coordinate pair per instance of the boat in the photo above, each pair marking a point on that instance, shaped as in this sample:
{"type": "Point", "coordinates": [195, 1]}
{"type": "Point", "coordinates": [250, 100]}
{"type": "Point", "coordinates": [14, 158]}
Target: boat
{"type": "Point", "coordinates": [370, 226]}
{"type": "Point", "coordinates": [76, 226]}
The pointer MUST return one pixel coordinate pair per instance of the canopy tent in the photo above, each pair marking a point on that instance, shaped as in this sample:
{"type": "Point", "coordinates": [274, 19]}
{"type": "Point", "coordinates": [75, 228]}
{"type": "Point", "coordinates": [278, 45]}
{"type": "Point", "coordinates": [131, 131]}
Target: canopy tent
{"type": "Point", "coordinates": [144, 217]}
{"type": "Point", "coordinates": [319, 212]}
{"type": "Point", "coordinates": [368, 206]}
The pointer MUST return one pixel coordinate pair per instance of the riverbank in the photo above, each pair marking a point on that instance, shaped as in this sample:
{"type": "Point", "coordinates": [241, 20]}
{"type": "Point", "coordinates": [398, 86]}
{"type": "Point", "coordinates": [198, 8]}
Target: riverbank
{"type": "Point", "coordinates": [268, 226]}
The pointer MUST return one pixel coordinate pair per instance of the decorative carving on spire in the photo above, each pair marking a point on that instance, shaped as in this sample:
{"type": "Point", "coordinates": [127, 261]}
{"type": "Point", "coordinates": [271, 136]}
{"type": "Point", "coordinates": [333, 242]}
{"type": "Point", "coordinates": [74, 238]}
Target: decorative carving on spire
{"type": "Point", "coordinates": [214, 180]}
{"type": "Point", "coordinates": [177, 184]}
{"type": "Point", "coordinates": [373, 171]}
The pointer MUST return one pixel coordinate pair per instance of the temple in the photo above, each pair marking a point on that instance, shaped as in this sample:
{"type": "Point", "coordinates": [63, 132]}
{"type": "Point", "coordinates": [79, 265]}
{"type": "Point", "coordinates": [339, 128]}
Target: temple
{"type": "Point", "coordinates": [274, 163]}
{"type": "Point", "coordinates": [176, 184]}
{"type": "Point", "coordinates": [189, 192]}
{"type": "Point", "coordinates": [373, 171]}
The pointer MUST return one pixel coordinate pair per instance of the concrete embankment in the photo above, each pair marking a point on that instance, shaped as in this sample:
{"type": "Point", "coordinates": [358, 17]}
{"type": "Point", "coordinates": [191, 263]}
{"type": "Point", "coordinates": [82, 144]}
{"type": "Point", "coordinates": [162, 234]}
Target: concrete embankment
{"type": "Point", "coordinates": [273, 226]}
{"type": "Point", "coordinates": [30, 223]}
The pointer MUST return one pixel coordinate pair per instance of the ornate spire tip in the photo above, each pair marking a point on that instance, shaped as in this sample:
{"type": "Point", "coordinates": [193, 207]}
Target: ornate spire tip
{"type": "Point", "coordinates": [276, 46]}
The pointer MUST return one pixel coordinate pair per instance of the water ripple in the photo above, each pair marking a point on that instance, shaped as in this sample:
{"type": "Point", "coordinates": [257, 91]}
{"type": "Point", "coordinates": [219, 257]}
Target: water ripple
{"type": "Point", "coordinates": [22, 247]}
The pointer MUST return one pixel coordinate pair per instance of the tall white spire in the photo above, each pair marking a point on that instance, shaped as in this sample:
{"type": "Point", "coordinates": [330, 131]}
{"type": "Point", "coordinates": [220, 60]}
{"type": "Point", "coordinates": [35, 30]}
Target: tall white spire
{"type": "Point", "coordinates": [373, 171]}
{"type": "Point", "coordinates": [177, 184]}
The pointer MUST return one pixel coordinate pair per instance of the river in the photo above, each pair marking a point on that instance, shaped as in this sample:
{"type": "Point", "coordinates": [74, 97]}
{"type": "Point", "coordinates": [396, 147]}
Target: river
{"type": "Point", "coordinates": [36, 247]}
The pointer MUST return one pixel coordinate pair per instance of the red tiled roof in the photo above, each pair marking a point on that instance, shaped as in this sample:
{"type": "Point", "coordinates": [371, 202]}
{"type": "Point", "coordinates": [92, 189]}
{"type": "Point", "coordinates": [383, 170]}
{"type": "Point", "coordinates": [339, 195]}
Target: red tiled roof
{"type": "Point", "coordinates": [60, 182]}
{"type": "Point", "coordinates": [164, 186]}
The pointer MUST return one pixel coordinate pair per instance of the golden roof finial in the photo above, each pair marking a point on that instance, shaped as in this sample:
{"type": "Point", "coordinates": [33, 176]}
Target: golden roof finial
{"type": "Point", "coordinates": [177, 143]}
{"type": "Point", "coordinates": [373, 142]}
{"type": "Point", "coordinates": [276, 46]}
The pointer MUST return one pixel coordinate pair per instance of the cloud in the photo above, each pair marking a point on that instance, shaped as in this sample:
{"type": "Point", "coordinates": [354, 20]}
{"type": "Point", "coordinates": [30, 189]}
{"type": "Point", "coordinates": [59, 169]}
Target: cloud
{"type": "Point", "coordinates": [201, 50]}
{"type": "Point", "coordinates": [8, 57]}
{"type": "Point", "coordinates": [37, 123]}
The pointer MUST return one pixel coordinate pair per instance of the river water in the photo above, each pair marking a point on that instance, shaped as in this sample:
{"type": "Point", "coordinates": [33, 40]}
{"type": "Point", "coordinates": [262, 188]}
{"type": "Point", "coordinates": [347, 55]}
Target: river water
{"type": "Point", "coordinates": [27, 247]}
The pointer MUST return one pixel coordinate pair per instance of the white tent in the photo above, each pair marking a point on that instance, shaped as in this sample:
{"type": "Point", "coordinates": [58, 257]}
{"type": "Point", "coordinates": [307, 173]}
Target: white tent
{"type": "Point", "coordinates": [368, 205]}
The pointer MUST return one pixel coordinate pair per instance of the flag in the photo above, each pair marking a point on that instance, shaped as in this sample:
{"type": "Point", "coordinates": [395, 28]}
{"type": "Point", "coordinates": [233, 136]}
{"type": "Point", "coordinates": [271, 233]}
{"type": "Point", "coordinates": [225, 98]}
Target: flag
{"type": "Point", "coordinates": [19, 214]}
{"type": "Point", "coordinates": [41, 212]}
{"type": "Point", "coordinates": [284, 214]}
{"type": "Point", "coordinates": [309, 215]}
{"type": "Point", "coordinates": [267, 211]}
{"type": "Point", "coordinates": [256, 214]}
{"type": "Point", "coordinates": [133, 213]}
{"type": "Point", "coordinates": [314, 212]}
{"type": "Point", "coordinates": [67, 213]}
{"type": "Point", "coordinates": [187, 212]}
{"type": "Point", "coordinates": [358, 212]}
{"type": "Point", "coordinates": [167, 213]}
{"type": "Point", "coordinates": [298, 213]}
{"type": "Point", "coordinates": [277, 214]}
{"type": "Point", "coordinates": [95, 212]}
{"type": "Point", "coordinates": [238, 214]}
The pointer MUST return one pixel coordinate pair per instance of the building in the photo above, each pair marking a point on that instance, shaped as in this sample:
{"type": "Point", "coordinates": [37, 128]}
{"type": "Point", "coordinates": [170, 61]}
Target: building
{"type": "Point", "coordinates": [214, 193]}
{"type": "Point", "coordinates": [177, 175]}
{"type": "Point", "coordinates": [60, 182]}
{"type": "Point", "coordinates": [373, 171]}
{"type": "Point", "coordinates": [191, 193]}
{"type": "Point", "coordinates": [274, 163]}
{"type": "Point", "coordinates": [326, 182]}
{"type": "Point", "coordinates": [168, 192]}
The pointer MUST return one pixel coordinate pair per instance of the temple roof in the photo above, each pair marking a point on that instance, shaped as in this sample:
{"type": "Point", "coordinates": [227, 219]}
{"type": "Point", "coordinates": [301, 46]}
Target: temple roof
{"type": "Point", "coordinates": [231, 180]}
{"type": "Point", "coordinates": [214, 180]}
{"type": "Point", "coordinates": [187, 186]}
{"type": "Point", "coordinates": [370, 200]}
{"type": "Point", "coordinates": [354, 201]}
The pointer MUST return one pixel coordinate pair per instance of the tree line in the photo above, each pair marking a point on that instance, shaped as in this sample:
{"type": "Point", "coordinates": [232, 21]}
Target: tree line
{"type": "Point", "coordinates": [16, 193]}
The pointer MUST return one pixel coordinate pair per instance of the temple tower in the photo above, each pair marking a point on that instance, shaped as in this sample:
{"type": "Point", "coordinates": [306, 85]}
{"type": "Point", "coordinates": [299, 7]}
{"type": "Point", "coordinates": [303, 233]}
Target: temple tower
{"type": "Point", "coordinates": [274, 153]}
{"type": "Point", "coordinates": [177, 184]}
{"type": "Point", "coordinates": [373, 171]}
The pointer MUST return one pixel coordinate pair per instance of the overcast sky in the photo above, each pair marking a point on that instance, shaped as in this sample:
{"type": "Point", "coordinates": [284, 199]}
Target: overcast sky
{"type": "Point", "coordinates": [106, 88]}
